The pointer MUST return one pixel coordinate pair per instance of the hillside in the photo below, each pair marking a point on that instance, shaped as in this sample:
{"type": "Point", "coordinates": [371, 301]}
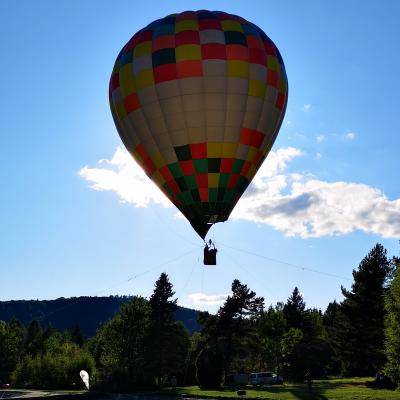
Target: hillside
{"type": "Point", "coordinates": [87, 312]}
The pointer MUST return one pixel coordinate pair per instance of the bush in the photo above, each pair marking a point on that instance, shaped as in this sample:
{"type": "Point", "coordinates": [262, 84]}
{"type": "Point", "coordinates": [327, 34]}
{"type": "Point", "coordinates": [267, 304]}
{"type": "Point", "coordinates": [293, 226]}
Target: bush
{"type": "Point", "coordinates": [58, 370]}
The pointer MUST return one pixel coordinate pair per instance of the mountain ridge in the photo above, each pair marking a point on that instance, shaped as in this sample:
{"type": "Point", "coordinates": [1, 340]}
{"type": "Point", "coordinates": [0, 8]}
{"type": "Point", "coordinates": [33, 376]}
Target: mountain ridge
{"type": "Point", "coordinates": [89, 312]}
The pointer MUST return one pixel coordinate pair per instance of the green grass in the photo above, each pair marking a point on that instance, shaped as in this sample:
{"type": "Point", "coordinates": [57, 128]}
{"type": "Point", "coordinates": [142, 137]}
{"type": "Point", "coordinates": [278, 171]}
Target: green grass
{"type": "Point", "coordinates": [332, 389]}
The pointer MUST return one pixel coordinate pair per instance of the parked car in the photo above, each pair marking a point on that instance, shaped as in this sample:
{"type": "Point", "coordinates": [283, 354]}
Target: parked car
{"type": "Point", "coordinates": [264, 378]}
{"type": "Point", "coordinates": [5, 386]}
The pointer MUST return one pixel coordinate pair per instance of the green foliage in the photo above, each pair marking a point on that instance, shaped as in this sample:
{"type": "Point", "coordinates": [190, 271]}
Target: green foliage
{"type": "Point", "coordinates": [34, 340]}
{"type": "Point", "coordinates": [11, 347]}
{"type": "Point", "coordinates": [232, 333]}
{"type": "Point", "coordinates": [143, 345]}
{"type": "Point", "coordinates": [57, 368]}
{"type": "Point", "coordinates": [209, 368]}
{"type": "Point", "coordinates": [118, 347]}
{"type": "Point", "coordinates": [273, 326]}
{"type": "Point", "coordinates": [359, 333]}
{"type": "Point", "coordinates": [167, 341]}
{"type": "Point", "coordinates": [294, 339]}
{"type": "Point", "coordinates": [392, 329]}
{"type": "Point", "coordinates": [294, 308]}
{"type": "Point", "coordinates": [290, 342]}
{"type": "Point", "coordinates": [77, 336]}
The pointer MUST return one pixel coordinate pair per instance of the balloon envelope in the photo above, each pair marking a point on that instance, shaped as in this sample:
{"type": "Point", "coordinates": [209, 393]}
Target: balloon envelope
{"type": "Point", "coordinates": [85, 378]}
{"type": "Point", "coordinates": [198, 99]}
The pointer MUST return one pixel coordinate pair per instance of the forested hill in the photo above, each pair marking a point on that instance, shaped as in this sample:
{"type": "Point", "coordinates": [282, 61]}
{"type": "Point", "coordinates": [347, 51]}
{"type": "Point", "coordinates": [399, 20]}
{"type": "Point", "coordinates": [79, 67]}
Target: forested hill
{"type": "Point", "coordinates": [87, 312]}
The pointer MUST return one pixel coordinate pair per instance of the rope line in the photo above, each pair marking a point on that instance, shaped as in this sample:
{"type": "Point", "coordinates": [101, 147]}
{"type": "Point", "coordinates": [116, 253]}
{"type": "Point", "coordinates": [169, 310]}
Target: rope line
{"type": "Point", "coordinates": [132, 278]}
{"type": "Point", "coordinates": [248, 272]}
{"type": "Point", "coordinates": [300, 267]}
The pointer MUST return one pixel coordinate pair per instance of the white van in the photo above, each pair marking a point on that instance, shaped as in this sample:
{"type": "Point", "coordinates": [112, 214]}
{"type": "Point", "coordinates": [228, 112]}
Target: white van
{"type": "Point", "coordinates": [264, 378]}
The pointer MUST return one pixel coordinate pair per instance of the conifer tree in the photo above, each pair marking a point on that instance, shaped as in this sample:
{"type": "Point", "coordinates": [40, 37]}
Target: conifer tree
{"type": "Point", "coordinates": [77, 336]}
{"type": "Point", "coordinates": [232, 333]}
{"type": "Point", "coordinates": [293, 310]}
{"type": "Point", "coordinates": [167, 341]}
{"type": "Point", "coordinates": [392, 331]}
{"type": "Point", "coordinates": [34, 338]}
{"type": "Point", "coordinates": [360, 333]}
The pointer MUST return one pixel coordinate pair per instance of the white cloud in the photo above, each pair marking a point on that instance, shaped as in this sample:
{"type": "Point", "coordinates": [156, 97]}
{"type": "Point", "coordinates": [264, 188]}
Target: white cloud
{"type": "Point", "coordinates": [320, 138]}
{"type": "Point", "coordinates": [288, 122]}
{"type": "Point", "coordinates": [350, 136]}
{"type": "Point", "coordinates": [123, 176]}
{"type": "Point", "coordinates": [298, 204]}
{"type": "Point", "coordinates": [306, 107]}
{"type": "Point", "coordinates": [199, 299]}
{"type": "Point", "coordinates": [319, 156]}
{"type": "Point", "coordinates": [315, 208]}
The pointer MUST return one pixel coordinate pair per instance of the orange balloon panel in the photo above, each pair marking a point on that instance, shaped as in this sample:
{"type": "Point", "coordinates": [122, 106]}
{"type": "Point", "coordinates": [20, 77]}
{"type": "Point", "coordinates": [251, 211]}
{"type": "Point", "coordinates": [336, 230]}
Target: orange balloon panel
{"type": "Point", "coordinates": [198, 99]}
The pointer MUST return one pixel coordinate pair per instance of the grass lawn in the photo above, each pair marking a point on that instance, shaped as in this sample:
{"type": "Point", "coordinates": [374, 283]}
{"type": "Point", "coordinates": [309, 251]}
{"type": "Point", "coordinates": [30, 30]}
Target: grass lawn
{"type": "Point", "coordinates": [332, 389]}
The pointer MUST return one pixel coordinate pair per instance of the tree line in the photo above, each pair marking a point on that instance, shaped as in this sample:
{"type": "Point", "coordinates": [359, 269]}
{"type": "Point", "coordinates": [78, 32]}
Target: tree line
{"type": "Point", "coordinates": [144, 345]}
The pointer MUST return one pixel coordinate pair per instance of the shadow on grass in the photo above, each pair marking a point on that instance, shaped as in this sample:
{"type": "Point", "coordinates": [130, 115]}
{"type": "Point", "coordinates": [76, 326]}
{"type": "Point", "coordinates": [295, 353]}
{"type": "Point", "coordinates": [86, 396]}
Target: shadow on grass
{"type": "Point", "coordinates": [9, 394]}
{"type": "Point", "coordinates": [299, 391]}
{"type": "Point", "coordinates": [321, 389]}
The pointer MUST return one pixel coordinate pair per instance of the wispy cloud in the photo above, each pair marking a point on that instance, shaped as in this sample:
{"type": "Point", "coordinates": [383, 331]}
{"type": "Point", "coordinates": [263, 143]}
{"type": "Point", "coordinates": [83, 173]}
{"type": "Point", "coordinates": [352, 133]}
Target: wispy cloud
{"type": "Point", "coordinates": [306, 107]}
{"type": "Point", "coordinates": [298, 204]}
{"type": "Point", "coordinates": [319, 156]}
{"type": "Point", "coordinates": [202, 298]}
{"type": "Point", "coordinates": [350, 136]}
{"type": "Point", "coordinates": [320, 138]}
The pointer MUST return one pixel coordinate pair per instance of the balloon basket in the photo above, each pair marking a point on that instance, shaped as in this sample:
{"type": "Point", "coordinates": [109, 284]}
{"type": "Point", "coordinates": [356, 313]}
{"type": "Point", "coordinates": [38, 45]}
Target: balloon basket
{"type": "Point", "coordinates": [210, 254]}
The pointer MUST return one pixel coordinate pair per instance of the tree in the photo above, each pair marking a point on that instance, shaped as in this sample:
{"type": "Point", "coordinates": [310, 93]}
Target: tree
{"type": "Point", "coordinates": [77, 336]}
{"type": "Point", "coordinates": [34, 340]}
{"type": "Point", "coordinates": [57, 368]}
{"type": "Point", "coordinates": [118, 347]}
{"type": "Point", "coordinates": [360, 333]}
{"type": "Point", "coordinates": [272, 331]}
{"type": "Point", "coordinates": [209, 369]}
{"type": "Point", "coordinates": [309, 350]}
{"type": "Point", "coordinates": [290, 341]}
{"type": "Point", "coordinates": [332, 320]}
{"type": "Point", "coordinates": [313, 352]}
{"type": "Point", "coordinates": [167, 342]}
{"type": "Point", "coordinates": [293, 310]}
{"type": "Point", "coordinates": [231, 335]}
{"type": "Point", "coordinates": [392, 329]}
{"type": "Point", "coordinates": [11, 347]}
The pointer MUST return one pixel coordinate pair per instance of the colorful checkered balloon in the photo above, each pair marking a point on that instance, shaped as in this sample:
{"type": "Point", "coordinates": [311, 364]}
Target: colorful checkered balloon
{"type": "Point", "coordinates": [198, 99]}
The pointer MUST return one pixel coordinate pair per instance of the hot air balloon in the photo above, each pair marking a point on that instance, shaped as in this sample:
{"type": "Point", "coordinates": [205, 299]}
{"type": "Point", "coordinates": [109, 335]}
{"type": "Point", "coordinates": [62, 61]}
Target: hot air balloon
{"type": "Point", "coordinates": [198, 99]}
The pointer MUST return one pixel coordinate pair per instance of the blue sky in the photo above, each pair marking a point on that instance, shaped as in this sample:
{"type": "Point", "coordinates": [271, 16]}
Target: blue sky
{"type": "Point", "coordinates": [72, 225]}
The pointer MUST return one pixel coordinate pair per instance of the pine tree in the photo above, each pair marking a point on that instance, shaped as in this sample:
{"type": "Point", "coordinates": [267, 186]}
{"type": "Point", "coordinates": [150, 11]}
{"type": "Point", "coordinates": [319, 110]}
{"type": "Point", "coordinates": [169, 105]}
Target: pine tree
{"type": "Point", "coordinates": [167, 342]}
{"type": "Point", "coordinates": [332, 320]}
{"type": "Point", "coordinates": [392, 330]}
{"type": "Point", "coordinates": [360, 332]}
{"type": "Point", "coordinates": [231, 335]}
{"type": "Point", "coordinates": [77, 336]}
{"type": "Point", "coordinates": [34, 339]}
{"type": "Point", "coordinates": [162, 308]}
{"type": "Point", "coordinates": [293, 310]}
{"type": "Point", "coordinates": [309, 350]}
